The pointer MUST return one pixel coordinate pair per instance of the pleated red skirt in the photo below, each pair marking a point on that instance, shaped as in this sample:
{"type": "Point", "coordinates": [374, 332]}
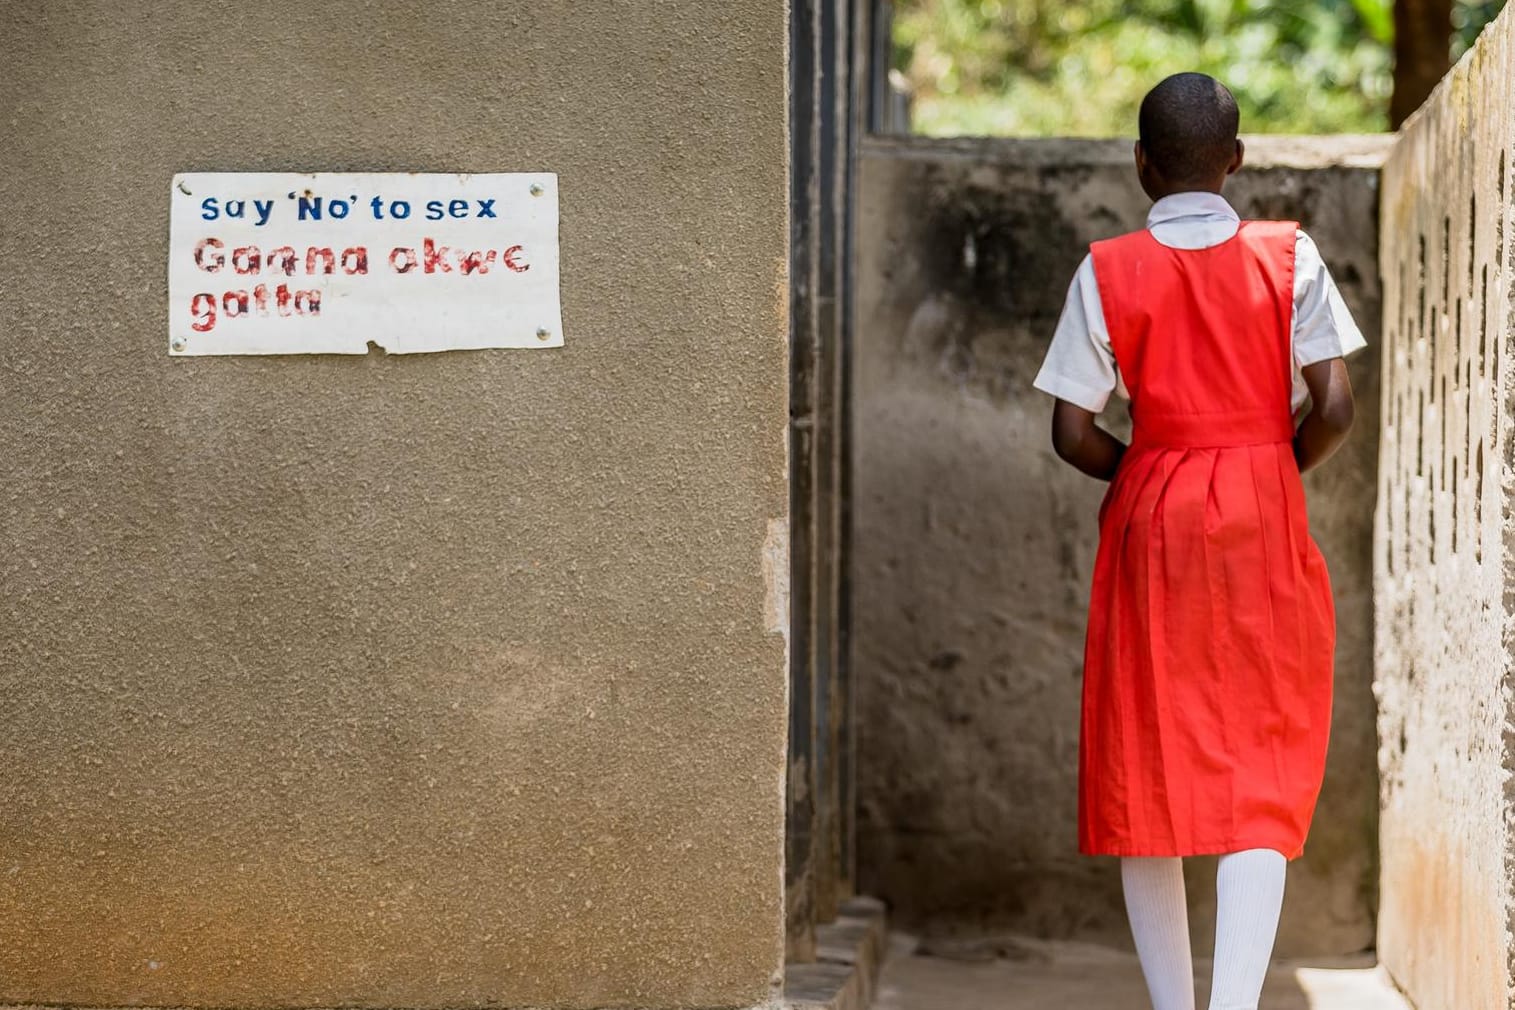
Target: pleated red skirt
{"type": "Point", "coordinates": [1208, 661]}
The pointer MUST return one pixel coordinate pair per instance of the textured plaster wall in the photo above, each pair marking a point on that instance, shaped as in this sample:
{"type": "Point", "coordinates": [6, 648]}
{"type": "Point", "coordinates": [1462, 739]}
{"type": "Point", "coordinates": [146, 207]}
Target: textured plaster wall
{"type": "Point", "coordinates": [974, 543]}
{"type": "Point", "coordinates": [422, 681]}
{"type": "Point", "coordinates": [1443, 565]}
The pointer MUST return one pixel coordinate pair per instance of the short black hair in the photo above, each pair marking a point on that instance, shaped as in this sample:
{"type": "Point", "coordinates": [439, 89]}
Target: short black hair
{"type": "Point", "coordinates": [1188, 127]}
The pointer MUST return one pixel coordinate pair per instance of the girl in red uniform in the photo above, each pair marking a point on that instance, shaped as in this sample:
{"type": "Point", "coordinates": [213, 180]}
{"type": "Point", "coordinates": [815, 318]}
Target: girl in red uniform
{"type": "Point", "coordinates": [1208, 661]}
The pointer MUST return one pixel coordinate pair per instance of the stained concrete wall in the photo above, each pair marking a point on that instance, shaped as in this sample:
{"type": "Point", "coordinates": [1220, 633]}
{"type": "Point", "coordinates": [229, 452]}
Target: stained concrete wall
{"type": "Point", "coordinates": [1443, 565]}
{"type": "Point", "coordinates": [423, 681]}
{"type": "Point", "coordinates": [974, 544]}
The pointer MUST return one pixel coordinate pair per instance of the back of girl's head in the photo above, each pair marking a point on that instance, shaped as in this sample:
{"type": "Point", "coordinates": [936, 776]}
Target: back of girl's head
{"type": "Point", "coordinates": [1188, 127]}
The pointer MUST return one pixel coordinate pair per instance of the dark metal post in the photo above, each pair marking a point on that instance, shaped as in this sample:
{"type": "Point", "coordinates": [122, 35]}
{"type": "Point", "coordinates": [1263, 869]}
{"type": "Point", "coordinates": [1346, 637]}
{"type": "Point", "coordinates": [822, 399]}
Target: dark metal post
{"type": "Point", "coordinates": [803, 108]}
{"type": "Point", "coordinates": [824, 127]}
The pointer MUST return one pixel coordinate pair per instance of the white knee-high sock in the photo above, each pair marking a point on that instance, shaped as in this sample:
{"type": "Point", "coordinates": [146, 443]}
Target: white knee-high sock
{"type": "Point", "coordinates": [1154, 888]}
{"type": "Point", "coordinates": [1249, 891]}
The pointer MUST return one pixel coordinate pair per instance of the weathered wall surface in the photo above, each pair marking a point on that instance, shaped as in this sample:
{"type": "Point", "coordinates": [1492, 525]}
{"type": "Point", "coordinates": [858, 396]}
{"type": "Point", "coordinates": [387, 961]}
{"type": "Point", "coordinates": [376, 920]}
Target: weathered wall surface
{"type": "Point", "coordinates": [438, 680]}
{"type": "Point", "coordinates": [1443, 560]}
{"type": "Point", "coordinates": [974, 543]}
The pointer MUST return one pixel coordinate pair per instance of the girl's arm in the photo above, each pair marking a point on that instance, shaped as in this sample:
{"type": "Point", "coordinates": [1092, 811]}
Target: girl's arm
{"type": "Point", "coordinates": [1078, 440]}
{"type": "Point", "coordinates": [1331, 408]}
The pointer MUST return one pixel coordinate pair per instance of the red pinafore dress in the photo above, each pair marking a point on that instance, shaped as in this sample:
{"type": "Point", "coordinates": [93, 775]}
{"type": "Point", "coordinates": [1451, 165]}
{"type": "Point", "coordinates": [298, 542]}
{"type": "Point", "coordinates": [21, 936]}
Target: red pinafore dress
{"type": "Point", "coordinates": [1208, 660]}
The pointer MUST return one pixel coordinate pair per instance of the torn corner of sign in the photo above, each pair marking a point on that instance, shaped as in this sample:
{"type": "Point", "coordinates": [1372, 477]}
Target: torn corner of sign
{"type": "Point", "coordinates": [327, 263]}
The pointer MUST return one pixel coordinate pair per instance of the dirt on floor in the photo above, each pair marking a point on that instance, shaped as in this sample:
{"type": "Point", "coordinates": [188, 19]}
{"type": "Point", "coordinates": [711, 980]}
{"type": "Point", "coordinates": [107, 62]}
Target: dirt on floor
{"type": "Point", "coordinates": [1015, 973]}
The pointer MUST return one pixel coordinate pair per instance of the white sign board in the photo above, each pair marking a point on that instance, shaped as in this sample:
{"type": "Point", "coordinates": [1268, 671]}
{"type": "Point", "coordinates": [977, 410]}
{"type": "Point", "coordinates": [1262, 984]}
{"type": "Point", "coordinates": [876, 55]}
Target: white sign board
{"type": "Point", "coordinates": [284, 263]}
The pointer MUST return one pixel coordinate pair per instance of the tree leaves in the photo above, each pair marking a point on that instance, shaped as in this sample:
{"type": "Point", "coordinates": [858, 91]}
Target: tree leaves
{"type": "Point", "coordinates": [1056, 67]}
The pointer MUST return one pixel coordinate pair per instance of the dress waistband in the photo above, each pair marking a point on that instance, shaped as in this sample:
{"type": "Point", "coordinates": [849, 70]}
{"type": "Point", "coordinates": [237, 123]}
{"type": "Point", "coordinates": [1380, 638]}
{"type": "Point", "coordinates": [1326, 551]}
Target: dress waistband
{"type": "Point", "coordinates": [1203, 431]}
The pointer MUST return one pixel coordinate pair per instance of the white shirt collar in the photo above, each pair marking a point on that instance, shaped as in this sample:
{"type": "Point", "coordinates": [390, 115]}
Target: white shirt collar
{"type": "Point", "coordinates": [1194, 204]}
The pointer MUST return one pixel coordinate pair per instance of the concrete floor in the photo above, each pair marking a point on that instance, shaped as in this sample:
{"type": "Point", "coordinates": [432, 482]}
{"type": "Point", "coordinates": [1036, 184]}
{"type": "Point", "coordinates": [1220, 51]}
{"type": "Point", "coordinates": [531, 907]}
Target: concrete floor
{"type": "Point", "coordinates": [1021, 974]}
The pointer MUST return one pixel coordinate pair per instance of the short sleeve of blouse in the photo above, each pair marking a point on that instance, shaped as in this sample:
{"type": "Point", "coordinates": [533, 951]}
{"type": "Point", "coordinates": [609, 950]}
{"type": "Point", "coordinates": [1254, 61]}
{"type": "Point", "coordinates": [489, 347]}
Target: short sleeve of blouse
{"type": "Point", "coordinates": [1323, 326]}
{"type": "Point", "coordinates": [1080, 365]}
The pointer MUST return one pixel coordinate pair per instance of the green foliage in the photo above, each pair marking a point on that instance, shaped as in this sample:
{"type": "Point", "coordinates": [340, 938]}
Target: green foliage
{"type": "Point", "coordinates": [1468, 19]}
{"type": "Point", "coordinates": [1080, 67]}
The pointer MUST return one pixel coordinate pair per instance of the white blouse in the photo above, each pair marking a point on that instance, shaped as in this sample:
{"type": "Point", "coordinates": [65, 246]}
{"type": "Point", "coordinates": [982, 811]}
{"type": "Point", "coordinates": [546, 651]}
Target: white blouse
{"type": "Point", "coordinates": [1080, 365]}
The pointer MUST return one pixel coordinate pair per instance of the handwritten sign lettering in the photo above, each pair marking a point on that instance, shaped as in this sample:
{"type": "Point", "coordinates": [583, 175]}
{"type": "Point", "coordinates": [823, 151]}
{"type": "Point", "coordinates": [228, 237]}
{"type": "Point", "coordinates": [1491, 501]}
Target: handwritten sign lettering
{"type": "Point", "coordinates": [281, 263]}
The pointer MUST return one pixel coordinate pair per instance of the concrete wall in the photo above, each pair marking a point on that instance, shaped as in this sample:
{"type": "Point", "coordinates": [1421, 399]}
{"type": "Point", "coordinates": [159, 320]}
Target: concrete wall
{"type": "Point", "coordinates": [1444, 566]}
{"type": "Point", "coordinates": [974, 543]}
{"type": "Point", "coordinates": [423, 681]}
